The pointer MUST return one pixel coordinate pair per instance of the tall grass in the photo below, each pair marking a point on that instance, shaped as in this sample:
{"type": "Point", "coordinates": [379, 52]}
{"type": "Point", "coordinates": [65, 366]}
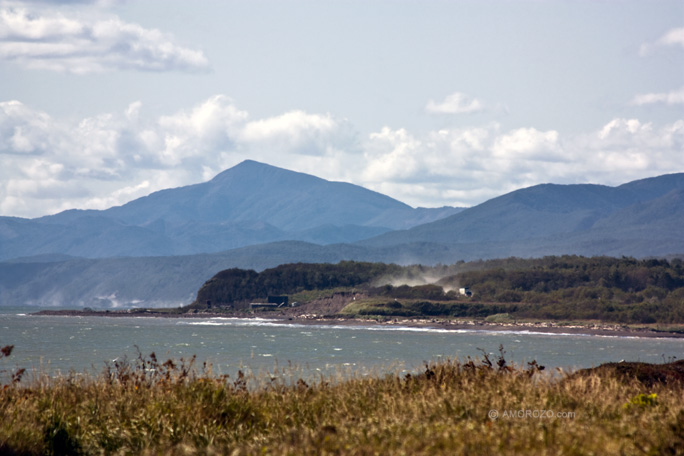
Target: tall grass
{"type": "Point", "coordinates": [148, 407]}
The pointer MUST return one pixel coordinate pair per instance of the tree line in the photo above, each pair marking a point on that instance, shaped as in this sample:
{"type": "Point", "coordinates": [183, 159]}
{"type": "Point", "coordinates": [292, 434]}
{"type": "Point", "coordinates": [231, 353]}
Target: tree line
{"type": "Point", "coordinates": [623, 290]}
{"type": "Point", "coordinates": [238, 285]}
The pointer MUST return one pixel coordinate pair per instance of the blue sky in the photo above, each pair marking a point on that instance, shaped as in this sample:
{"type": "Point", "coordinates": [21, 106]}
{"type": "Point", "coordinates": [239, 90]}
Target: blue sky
{"type": "Point", "coordinates": [433, 103]}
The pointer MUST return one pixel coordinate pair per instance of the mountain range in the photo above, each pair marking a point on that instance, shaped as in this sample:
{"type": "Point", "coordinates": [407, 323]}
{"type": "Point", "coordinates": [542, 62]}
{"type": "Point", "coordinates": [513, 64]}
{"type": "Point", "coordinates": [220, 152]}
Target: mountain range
{"type": "Point", "coordinates": [251, 203]}
{"type": "Point", "coordinates": [641, 218]}
{"type": "Point", "coordinates": [159, 249]}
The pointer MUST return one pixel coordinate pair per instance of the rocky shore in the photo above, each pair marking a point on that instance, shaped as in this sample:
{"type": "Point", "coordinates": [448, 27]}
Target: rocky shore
{"type": "Point", "coordinates": [549, 327]}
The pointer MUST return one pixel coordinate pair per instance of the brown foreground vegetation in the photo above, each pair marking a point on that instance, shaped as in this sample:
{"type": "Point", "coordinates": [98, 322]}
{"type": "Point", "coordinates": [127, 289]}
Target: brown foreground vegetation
{"type": "Point", "coordinates": [473, 406]}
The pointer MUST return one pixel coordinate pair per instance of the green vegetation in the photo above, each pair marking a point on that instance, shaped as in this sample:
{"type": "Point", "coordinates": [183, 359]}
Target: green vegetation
{"type": "Point", "coordinates": [567, 288]}
{"type": "Point", "coordinates": [238, 286]}
{"type": "Point", "coordinates": [477, 406]}
{"type": "Point", "coordinates": [423, 308]}
{"type": "Point", "coordinates": [608, 289]}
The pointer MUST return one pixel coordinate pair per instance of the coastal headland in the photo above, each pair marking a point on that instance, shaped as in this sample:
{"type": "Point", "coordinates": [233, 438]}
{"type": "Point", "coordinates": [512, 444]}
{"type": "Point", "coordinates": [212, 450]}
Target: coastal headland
{"type": "Point", "coordinates": [568, 294]}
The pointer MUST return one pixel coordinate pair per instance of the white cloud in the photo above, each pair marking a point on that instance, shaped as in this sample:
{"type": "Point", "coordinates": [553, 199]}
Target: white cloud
{"type": "Point", "coordinates": [622, 128]}
{"type": "Point", "coordinates": [458, 166]}
{"type": "Point", "coordinates": [22, 130]}
{"type": "Point", "coordinates": [318, 144]}
{"type": "Point", "coordinates": [673, 37]}
{"type": "Point", "coordinates": [527, 143]}
{"type": "Point", "coordinates": [456, 103]}
{"type": "Point", "coordinates": [293, 123]}
{"type": "Point", "coordinates": [466, 166]}
{"type": "Point", "coordinates": [633, 149]}
{"type": "Point", "coordinates": [393, 155]}
{"type": "Point", "coordinates": [52, 41]}
{"type": "Point", "coordinates": [209, 127]}
{"type": "Point", "coordinates": [48, 165]}
{"type": "Point", "coordinates": [669, 98]}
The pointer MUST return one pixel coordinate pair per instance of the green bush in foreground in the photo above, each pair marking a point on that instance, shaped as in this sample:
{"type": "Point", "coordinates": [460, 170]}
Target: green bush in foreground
{"type": "Point", "coordinates": [473, 407]}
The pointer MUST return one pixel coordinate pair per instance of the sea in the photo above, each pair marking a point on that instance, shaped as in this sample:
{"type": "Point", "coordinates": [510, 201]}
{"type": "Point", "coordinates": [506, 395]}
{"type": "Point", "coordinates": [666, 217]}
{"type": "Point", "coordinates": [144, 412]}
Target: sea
{"type": "Point", "coordinates": [69, 345]}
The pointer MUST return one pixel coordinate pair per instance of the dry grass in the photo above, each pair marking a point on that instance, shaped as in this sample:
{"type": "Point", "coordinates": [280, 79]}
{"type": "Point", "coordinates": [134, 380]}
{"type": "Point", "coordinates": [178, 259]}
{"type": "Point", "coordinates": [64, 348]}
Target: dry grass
{"type": "Point", "coordinates": [149, 407]}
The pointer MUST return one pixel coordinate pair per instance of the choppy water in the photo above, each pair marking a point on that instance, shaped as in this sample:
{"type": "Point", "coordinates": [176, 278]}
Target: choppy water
{"type": "Point", "coordinates": [60, 344]}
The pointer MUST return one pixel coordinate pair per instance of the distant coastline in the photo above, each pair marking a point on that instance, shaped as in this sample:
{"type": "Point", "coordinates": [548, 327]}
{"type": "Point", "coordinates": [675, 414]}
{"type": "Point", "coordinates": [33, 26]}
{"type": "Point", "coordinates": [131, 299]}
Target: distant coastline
{"type": "Point", "coordinates": [545, 327]}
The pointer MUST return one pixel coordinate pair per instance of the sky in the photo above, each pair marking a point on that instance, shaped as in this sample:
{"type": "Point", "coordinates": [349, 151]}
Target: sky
{"type": "Point", "coordinates": [433, 103]}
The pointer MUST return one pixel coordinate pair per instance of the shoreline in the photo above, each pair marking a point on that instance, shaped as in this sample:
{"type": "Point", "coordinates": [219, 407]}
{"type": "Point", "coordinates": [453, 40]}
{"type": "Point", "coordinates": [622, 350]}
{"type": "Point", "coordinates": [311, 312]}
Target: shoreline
{"type": "Point", "coordinates": [544, 327]}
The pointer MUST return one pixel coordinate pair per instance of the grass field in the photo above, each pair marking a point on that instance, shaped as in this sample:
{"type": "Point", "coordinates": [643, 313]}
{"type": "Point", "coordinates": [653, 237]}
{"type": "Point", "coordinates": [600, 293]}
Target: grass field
{"type": "Point", "coordinates": [472, 406]}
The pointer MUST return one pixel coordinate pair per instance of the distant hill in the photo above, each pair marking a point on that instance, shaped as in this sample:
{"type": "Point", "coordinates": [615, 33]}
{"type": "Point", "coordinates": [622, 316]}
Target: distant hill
{"type": "Point", "coordinates": [58, 280]}
{"type": "Point", "coordinates": [251, 203]}
{"type": "Point", "coordinates": [641, 218]}
{"type": "Point", "coordinates": [568, 287]}
{"type": "Point", "coordinates": [150, 281]}
{"type": "Point", "coordinates": [288, 200]}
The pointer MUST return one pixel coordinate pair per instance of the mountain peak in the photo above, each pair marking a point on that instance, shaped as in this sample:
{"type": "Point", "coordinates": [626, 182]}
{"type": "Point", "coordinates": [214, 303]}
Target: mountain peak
{"type": "Point", "coordinates": [249, 164]}
{"type": "Point", "coordinates": [250, 203]}
{"type": "Point", "coordinates": [249, 172]}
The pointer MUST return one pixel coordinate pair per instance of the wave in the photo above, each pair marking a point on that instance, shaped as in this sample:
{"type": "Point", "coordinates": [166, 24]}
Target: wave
{"type": "Point", "coordinates": [275, 323]}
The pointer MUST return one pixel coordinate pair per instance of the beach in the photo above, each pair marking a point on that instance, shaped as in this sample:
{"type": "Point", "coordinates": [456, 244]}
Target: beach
{"type": "Point", "coordinates": [289, 317]}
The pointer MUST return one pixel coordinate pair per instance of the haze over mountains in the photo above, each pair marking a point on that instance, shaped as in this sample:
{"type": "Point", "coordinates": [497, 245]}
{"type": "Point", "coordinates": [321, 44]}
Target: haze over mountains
{"type": "Point", "coordinates": [268, 216]}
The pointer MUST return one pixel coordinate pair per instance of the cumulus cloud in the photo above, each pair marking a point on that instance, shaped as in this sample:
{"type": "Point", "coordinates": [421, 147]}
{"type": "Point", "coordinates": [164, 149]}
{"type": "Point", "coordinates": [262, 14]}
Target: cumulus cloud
{"type": "Point", "coordinates": [528, 143]}
{"type": "Point", "coordinates": [298, 131]}
{"type": "Point", "coordinates": [53, 41]}
{"type": "Point", "coordinates": [634, 145]}
{"type": "Point", "coordinates": [48, 165]}
{"type": "Point", "coordinates": [22, 130]}
{"type": "Point", "coordinates": [393, 155]}
{"type": "Point", "coordinates": [209, 127]}
{"type": "Point", "coordinates": [673, 37]}
{"type": "Point", "coordinates": [670, 98]}
{"type": "Point", "coordinates": [459, 166]}
{"type": "Point", "coordinates": [465, 166]}
{"type": "Point", "coordinates": [456, 103]}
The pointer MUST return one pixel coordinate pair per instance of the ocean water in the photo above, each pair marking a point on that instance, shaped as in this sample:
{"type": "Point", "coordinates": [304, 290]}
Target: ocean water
{"type": "Point", "coordinates": [58, 345]}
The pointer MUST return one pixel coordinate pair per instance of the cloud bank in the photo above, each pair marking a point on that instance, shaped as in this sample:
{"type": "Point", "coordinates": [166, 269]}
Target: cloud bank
{"type": "Point", "coordinates": [48, 165]}
{"type": "Point", "coordinates": [52, 41]}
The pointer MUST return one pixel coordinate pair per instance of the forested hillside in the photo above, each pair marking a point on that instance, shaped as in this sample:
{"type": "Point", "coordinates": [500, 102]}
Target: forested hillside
{"type": "Point", "coordinates": [622, 290]}
{"type": "Point", "coordinates": [235, 285]}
